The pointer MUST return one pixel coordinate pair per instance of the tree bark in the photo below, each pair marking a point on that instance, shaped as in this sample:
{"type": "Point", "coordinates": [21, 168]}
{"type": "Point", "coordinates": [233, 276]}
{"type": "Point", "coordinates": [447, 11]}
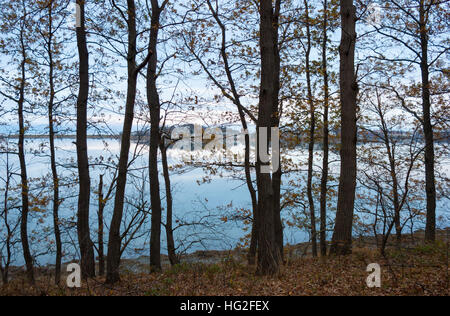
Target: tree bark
{"type": "Point", "coordinates": [278, 224]}
{"type": "Point", "coordinates": [101, 208]}
{"type": "Point", "coordinates": [115, 240]}
{"type": "Point", "coordinates": [84, 239]}
{"type": "Point", "coordinates": [430, 185]}
{"type": "Point", "coordinates": [23, 166]}
{"type": "Point", "coordinates": [55, 177]}
{"type": "Point", "coordinates": [342, 235]}
{"type": "Point", "coordinates": [251, 257]}
{"type": "Point", "coordinates": [312, 128]}
{"type": "Point", "coordinates": [276, 176]}
{"type": "Point", "coordinates": [169, 204]}
{"type": "Point", "coordinates": [324, 179]}
{"type": "Point", "coordinates": [155, 138]}
{"type": "Point", "coordinates": [268, 252]}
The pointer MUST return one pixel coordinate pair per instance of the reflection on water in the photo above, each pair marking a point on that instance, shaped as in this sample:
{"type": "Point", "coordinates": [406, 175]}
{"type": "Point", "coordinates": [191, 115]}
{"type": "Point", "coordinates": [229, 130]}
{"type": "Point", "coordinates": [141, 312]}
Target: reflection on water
{"type": "Point", "coordinates": [201, 201]}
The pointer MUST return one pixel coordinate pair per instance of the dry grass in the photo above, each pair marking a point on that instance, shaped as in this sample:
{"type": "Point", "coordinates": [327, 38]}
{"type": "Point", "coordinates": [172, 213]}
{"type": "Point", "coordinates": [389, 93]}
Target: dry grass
{"type": "Point", "coordinates": [423, 270]}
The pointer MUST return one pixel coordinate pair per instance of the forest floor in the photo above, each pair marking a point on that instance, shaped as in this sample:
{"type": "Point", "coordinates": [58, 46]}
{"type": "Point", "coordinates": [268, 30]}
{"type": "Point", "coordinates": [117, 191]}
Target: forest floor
{"type": "Point", "coordinates": [412, 269]}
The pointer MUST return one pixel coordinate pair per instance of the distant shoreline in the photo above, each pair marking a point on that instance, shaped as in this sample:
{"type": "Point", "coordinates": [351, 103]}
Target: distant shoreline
{"type": "Point", "coordinates": [445, 139]}
{"type": "Point", "coordinates": [62, 136]}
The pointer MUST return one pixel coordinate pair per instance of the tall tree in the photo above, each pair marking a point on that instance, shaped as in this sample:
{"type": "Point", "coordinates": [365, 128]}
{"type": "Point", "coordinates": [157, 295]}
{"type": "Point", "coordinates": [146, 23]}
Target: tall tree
{"type": "Point", "coordinates": [84, 239]}
{"type": "Point", "coordinates": [275, 123]}
{"type": "Point", "coordinates": [51, 133]}
{"type": "Point", "coordinates": [155, 136]}
{"type": "Point", "coordinates": [342, 235]}
{"type": "Point", "coordinates": [325, 134]}
{"type": "Point", "coordinates": [236, 98]}
{"type": "Point", "coordinates": [21, 146]}
{"type": "Point", "coordinates": [17, 22]}
{"type": "Point", "coordinates": [115, 239]}
{"type": "Point", "coordinates": [268, 252]}
{"type": "Point", "coordinates": [53, 14]}
{"type": "Point", "coordinates": [312, 128]}
{"type": "Point", "coordinates": [430, 228]}
{"type": "Point", "coordinates": [230, 91]}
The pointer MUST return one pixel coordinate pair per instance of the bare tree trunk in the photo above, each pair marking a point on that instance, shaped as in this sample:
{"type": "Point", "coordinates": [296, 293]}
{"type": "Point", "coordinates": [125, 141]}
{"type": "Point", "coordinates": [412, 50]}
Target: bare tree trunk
{"type": "Point", "coordinates": [278, 224]}
{"type": "Point", "coordinates": [115, 240]}
{"type": "Point", "coordinates": [324, 179]}
{"type": "Point", "coordinates": [312, 128]}
{"type": "Point", "coordinates": [56, 200]}
{"type": "Point", "coordinates": [268, 252]}
{"type": "Point", "coordinates": [9, 234]}
{"type": "Point", "coordinates": [430, 185]}
{"type": "Point", "coordinates": [251, 257]}
{"type": "Point", "coordinates": [276, 176]}
{"type": "Point", "coordinates": [342, 235]}
{"type": "Point", "coordinates": [84, 239]}
{"type": "Point", "coordinates": [23, 166]}
{"type": "Point", "coordinates": [398, 226]}
{"type": "Point", "coordinates": [55, 178]}
{"type": "Point", "coordinates": [155, 138]}
{"type": "Point", "coordinates": [101, 208]}
{"type": "Point", "coordinates": [169, 204]}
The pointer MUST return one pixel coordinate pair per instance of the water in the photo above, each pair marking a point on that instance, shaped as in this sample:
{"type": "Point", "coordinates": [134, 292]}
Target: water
{"type": "Point", "coordinates": [204, 211]}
